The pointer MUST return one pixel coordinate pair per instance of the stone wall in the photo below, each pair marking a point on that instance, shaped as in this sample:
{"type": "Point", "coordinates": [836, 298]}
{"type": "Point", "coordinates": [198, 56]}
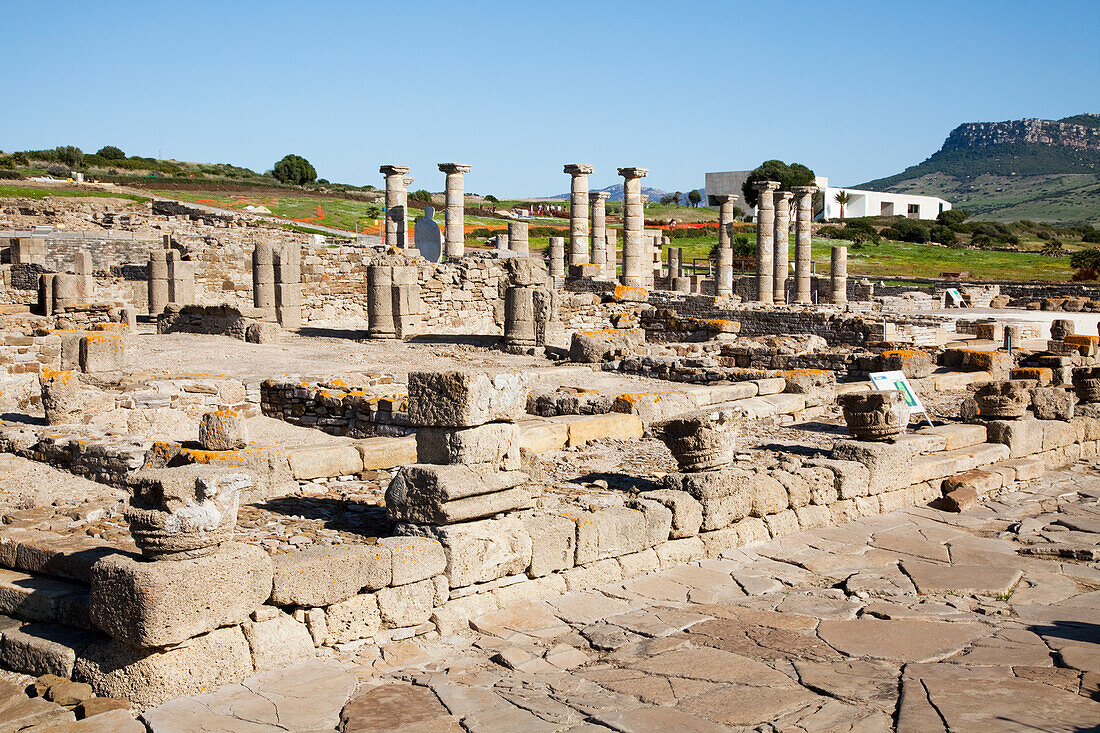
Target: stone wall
{"type": "Point", "coordinates": [375, 407]}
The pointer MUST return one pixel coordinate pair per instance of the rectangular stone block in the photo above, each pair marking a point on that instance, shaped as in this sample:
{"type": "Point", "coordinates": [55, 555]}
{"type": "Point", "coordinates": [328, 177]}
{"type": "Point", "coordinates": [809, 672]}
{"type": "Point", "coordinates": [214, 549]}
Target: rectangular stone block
{"type": "Point", "coordinates": [639, 563]}
{"type": "Point", "coordinates": [153, 604]}
{"type": "Point", "coordinates": [619, 531]}
{"type": "Point", "coordinates": [325, 462]}
{"type": "Point", "coordinates": [1058, 434]}
{"type": "Point", "coordinates": [102, 352]}
{"type": "Point", "coordinates": [681, 552]}
{"type": "Point", "coordinates": [414, 558]}
{"type": "Point", "coordinates": [356, 618]}
{"type": "Point", "coordinates": [539, 437]}
{"type": "Point", "coordinates": [851, 478]}
{"type": "Point", "coordinates": [720, 540]}
{"type": "Point", "coordinates": [277, 642]}
{"type": "Point", "coordinates": [37, 649]}
{"type": "Point", "coordinates": [687, 511]}
{"type": "Point", "coordinates": [149, 677]}
{"type": "Point", "coordinates": [586, 577]}
{"type": "Point", "coordinates": [321, 576]}
{"type": "Point", "coordinates": [1023, 437]}
{"type": "Point", "coordinates": [889, 466]}
{"type": "Point", "coordinates": [958, 435]}
{"type": "Point", "coordinates": [466, 399]}
{"type": "Point", "coordinates": [38, 598]}
{"type": "Point", "coordinates": [493, 444]}
{"type": "Point", "coordinates": [585, 429]}
{"type": "Point", "coordinates": [553, 543]}
{"type": "Point", "coordinates": [406, 605]}
{"type": "Point", "coordinates": [726, 495]}
{"type": "Point", "coordinates": [385, 453]}
{"type": "Point", "coordinates": [480, 551]}
{"type": "Point", "coordinates": [434, 494]}
{"type": "Point", "coordinates": [812, 516]}
{"type": "Point", "coordinates": [782, 524]}
{"type": "Point", "coordinates": [768, 496]}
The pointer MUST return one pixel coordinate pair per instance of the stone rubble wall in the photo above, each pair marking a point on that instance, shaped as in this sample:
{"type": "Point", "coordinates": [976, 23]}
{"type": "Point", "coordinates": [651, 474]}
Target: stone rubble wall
{"type": "Point", "coordinates": [377, 408]}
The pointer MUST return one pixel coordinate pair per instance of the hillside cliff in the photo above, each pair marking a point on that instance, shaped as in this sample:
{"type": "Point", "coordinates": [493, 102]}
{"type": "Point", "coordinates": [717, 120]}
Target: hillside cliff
{"type": "Point", "coordinates": [1042, 132]}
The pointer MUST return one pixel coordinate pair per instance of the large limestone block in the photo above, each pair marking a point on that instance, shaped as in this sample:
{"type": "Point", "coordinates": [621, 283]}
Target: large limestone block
{"type": "Point", "coordinates": [406, 605]}
{"type": "Point", "coordinates": [465, 399]}
{"type": "Point", "coordinates": [850, 478]}
{"type": "Point", "coordinates": [325, 462]}
{"type": "Point", "coordinates": [821, 484]}
{"type": "Point", "coordinates": [414, 558]}
{"type": "Point", "coordinates": [584, 429]}
{"type": "Point", "coordinates": [148, 677]}
{"type": "Point", "coordinates": [152, 604]}
{"type": "Point", "coordinates": [277, 642]}
{"type": "Point", "coordinates": [223, 430]}
{"type": "Point", "coordinates": [726, 494]}
{"type": "Point", "coordinates": [385, 453]}
{"type": "Point", "coordinates": [356, 618]}
{"type": "Point", "coordinates": [553, 543]}
{"type": "Point", "coordinates": [38, 649]}
{"type": "Point", "coordinates": [102, 352]}
{"type": "Point", "coordinates": [1023, 437]}
{"type": "Point", "coordinates": [889, 466]}
{"type": "Point", "coordinates": [658, 520]}
{"type": "Point", "coordinates": [797, 488]}
{"type": "Point", "coordinates": [480, 551]}
{"type": "Point", "coordinates": [687, 511]}
{"type": "Point", "coordinates": [542, 436]}
{"type": "Point", "coordinates": [768, 496]}
{"type": "Point", "coordinates": [321, 576]}
{"type": "Point", "coordinates": [494, 444]}
{"type": "Point", "coordinates": [433, 494]}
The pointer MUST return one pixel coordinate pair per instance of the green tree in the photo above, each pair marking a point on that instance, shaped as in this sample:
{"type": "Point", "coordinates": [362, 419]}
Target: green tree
{"type": "Point", "coordinates": [110, 152]}
{"type": "Point", "coordinates": [295, 170]}
{"type": "Point", "coordinates": [788, 176]}
{"type": "Point", "coordinates": [69, 155]}
{"type": "Point", "coordinates": [694, 197]}
{"type": "Point", "coordinates": [490, 197]}
{"type": "Point", "coordinates": [842, 198]}
{"type": "Point", "coordinates": [952, 218]}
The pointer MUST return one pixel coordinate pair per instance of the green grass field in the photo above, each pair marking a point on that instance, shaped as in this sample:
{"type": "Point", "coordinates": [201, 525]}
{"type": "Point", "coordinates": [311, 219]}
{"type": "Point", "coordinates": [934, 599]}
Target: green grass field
{"type": "Point", "coordinates": [32, 192]}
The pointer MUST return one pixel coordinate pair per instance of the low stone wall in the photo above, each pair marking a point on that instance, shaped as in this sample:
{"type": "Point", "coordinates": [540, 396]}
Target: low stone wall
{"type": "Point", "coordinates": [376, 408]}
{"type": "Point", "coordinates": [251, 324]}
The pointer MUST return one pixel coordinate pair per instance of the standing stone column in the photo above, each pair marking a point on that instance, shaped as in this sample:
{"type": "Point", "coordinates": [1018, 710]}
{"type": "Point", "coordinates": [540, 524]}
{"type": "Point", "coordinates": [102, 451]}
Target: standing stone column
{"type": "Point", "coordinates": [634, 245]}
{"type": "Point", "coordinates": [782, 243]}
{"type": "Point", "coordinates": [598, 203]}
{"type": "Point", "coordinates": [578, 212]}
{"type": "Point", "coordinates": [804, 202]}
{"type": "Point", "coordinates": [838, 275]}
{"type": "Point", "coordinates": [765, 242]}
{"type": "Point", "coordinates": [454, 216]}
{"type": "Point", "coordinates": [263, 277]}
{"type": "Point", "coordinates": [557, 257]}
{"type": "Point", "coordinates": [83, 267]}
{"type": "Point", "coordinates": [517, 238]}
{"type": "Point", "coordinates": [287, 263]}
{"type": "Point", "coordinates": [380, 323]}
{"type": "Point", "coordinates": [403, 225]}
{"type": "Point", "coordinates": [502, 242]}
{"type": "Point", "coordinates": [611, 251]}
{"type": "Point", "coordinates": [158, 281]}
{"type": "Point", "coordinates": [724, 277]}
{"type": "Point", "coordinates": [181, 279]}
{"type": "Point", "coordinates": [395, 208]}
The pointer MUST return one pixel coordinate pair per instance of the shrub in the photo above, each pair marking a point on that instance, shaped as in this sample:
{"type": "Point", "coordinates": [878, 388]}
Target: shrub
{"type": "Point", "coordinates": [295, 170]}
{"type": "Point", "coordinates": [982, 240]}
{"type": "Point", "coordinates": [491, 197]}
{"type": "Point", "coordinates": [58, 171]}
{"type": "Point", "coordinates": [69, 155]}
{"type": "Point", "coordinates": [944, 235]}
{"type": "Point", "coordinates": [830, 232]}
{"type": "Point", "coordinates": [1091, 237]}
{"type": "Point", "coordinates": [10, 175]}
{"type": "Point", "coordinates": [952, 218]}
{"type": "Point", "coordinates": [794, 174]}
{"type": "Point", "coordinates": [421, 195]}
{"type": "Point", "coordinates": [743, 246]}
{"type": "Point", "coordinates": [110, 152]}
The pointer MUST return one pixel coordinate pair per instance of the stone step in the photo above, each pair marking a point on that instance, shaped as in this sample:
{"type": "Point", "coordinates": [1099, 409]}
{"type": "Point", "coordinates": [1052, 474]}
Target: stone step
{"type": "Point", "coordinates": [39, 598]}
{"type": "Point", "coordinates": [940, 465]}
{"type": "Point", "coordinates": [19, 712]}
{"type": "Point", "coordinates": [59, 556]}
{"type": "Point", "coordinates": [325, 461]}
{"type": "Point", "coordinates": [41, 648]}
{"type": "Point", "coordinates": [957, 435]}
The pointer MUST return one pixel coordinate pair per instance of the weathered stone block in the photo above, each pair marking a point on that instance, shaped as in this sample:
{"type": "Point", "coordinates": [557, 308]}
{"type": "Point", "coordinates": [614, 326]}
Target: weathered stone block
{"type": "Point", "coordinates": [480, 551]}
{"type": "Point", "coordinates": [850, 478]}
{"type": "Point", "coordinates": [277, 642]}
{"type": "Point", "coordinates": [798, 489]}
{"type": "Point", "coordinates": [812, 516]}
{"type": "Point", "coordinates": [321, 576]}
{"type": "Point", "coordinates": [1023, 437]}
{"type": "Point", "coordinates": [681, 552]}
{"type": "Point", "coordinates": [821, 482]}
{"type": "Point", "coordinates": [325, 462]}
{"type": "Point", "coordinates": [658, 520]}
{"type": "Point", "coordinates": [149, 677]}
{"type": "Point", "coordinates": [356, 618]}
{"type": "Point", "coordinates": [889, 466]}
{"type": "Point", "coordinates": [495, 444]}
{"type": "Point", "coordinates": [751, 531]}
{"type": "Point", "coordinates": [414, 558]}
{"type": "Point", "coordinates": [151, 604]}
{"type": "Point", "coordinates": [768, 496]}
{"type": "Point", "coordinates": [553, 543]}
{"type": "Point", "coordinates": [588, 428]}
{"type": "Point", "coordinates": [619, 531]}
{"type": "Point", "coordinates": [38, 649]}
{"type": "Point", "coordinates": [434, 494]}
{"type": "Point", "coordinates": [639, 563]}
{"type": "Point", "coordinates": [406, 605]}
{"type": "Point", "coordinates": [102, 352]}
{"type": "Point", "coordinates": [725, 495]}
{"type": "Point", "coordinates": [465, 399]}
{"type": "Point", "coordinates": [782, 524]}
{"type": "Point", "coordinates": [687, 511]}
{"type": "Point", "coordinates": [223, 430]}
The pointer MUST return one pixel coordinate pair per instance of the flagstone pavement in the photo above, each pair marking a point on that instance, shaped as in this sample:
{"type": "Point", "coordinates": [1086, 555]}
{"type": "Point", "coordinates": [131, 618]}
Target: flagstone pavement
{"type": "Point", "coordinates": [917, 620]}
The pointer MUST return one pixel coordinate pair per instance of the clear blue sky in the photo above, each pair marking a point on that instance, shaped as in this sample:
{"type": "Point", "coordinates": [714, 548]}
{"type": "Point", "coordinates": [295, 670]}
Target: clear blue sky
{"type": "Point", "coordinates": [856, 90]}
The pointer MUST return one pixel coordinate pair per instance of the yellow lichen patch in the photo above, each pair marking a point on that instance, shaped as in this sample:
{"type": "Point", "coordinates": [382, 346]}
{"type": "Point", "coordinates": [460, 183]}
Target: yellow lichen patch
{"type": "Point", "coordinates": [630, 293]}
{"type": "Point", "coordinates": [57, 375]}
{"type": "Point", "coordinates": [1085, 344]}
{"type": "Point", "coordinates": [906, 355]}
{"type": "Point", "coordinates": [1043, 375]}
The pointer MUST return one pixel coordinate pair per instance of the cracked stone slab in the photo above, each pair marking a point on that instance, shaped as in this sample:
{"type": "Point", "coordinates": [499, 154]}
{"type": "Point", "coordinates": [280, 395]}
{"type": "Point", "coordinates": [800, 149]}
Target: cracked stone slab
{"type": "Point", "coordinates": [902, 640]}
{"type": "Point", "coordinates": [987, 580]}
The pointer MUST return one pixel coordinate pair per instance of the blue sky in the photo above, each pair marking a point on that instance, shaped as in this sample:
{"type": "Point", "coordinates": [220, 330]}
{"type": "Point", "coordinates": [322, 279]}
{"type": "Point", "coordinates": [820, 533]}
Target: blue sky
{"type": "Point", "coordinates": [855, 90]}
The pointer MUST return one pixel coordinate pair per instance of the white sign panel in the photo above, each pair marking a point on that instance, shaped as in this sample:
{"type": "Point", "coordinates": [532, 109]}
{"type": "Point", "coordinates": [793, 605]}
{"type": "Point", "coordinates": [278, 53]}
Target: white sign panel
{"type": "Point", "coordinates": [886, 381]}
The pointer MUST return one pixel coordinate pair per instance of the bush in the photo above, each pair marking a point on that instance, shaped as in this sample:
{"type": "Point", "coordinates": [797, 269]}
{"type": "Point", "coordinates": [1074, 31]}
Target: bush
{"type": "Point", "coordinates": [944, 235]}
{"type": "Point", "coordinates": [861, 231]}
{"type": "Point", "coordinates": [908, 230]}
{"type": "Point", "coordinates": [743, 246]}
{"type": "Point", "coordinates": [295, 170]}
{"type": "Point", "coordinates": [421, 195]}
{"type": "Point", "coordinates": [10, 175]}
{"type": "Point", "coordinates": [69, 155]}
{"type": "Point", "coordinates": [830, 232]}
{"type": "Point", "coordinates": [58, 171]}
{"type": "Point", "coordinates": [110, 152]}
{"type": "Point", "coordinates": [982, 240]}
{"type": "Point", "coordinates": [1091, 237]}
{"type": "Point", "coordinates": [692, 232]}
{"type": "Point", "coordinates": [952, 218]}
{"type": "Point", "coordinates": [491, 197]}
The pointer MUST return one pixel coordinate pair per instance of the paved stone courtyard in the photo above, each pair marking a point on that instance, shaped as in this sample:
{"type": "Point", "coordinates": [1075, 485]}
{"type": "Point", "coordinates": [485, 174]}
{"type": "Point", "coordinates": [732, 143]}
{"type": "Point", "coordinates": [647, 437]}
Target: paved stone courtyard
{"type": "Point", "coordinates": [917, 620]}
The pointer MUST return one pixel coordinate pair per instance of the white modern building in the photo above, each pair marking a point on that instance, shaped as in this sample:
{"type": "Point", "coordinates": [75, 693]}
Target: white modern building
{"type": "Point", "coordinates": [860, 202]}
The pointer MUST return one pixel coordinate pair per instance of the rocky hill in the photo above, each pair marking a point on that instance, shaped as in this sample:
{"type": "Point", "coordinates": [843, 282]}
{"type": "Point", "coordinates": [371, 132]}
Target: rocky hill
{"type": "Point", "coordinates": [1044, 170]}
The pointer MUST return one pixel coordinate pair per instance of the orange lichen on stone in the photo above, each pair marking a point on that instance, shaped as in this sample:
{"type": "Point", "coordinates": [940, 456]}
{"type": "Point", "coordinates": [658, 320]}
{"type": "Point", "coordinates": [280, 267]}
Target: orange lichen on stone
{"type": "Point", "coordinates": [1043, 375]}
{"type": "Point", "coordinates": [1085, 344]}
{"type": "Point", "coordinates": [630, 294]}
{"type": "Point", "coordinates": [57, 375]}
{"type": "Point", "coordinates": [904, 354]}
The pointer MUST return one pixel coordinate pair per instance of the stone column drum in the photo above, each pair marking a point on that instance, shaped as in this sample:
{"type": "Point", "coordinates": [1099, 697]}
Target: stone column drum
{"type": "Point", "coordinates": [82, 265]}
{"type": "Point", "coordinates": [181, 279]}
{"type": "Point", "coordinates": [839, 275]}
{"type": "Point", "coordinates": [517, 238]}
{"type": "Point", "coordinates": [287, 262]}
{"type": "Point", "coordinates": [578, 212]}
{"type": "Point", "coordinates": [597, 201]}
{"type": "Point", "coordinates": [782, 243]}
{"type": "Point", "coordinates": [403, 225]}
{"type": "Point", "coordinates": [804, 201]}
{"type": "Point", "coordinates": [395, 209]}
{"type": "Point", "coordinates": [158, 281]}
{"type": "Point", "coordinates": [765, 240]}
{"type": "Point", "coordinates": [380, 324]}
{"type": "Point", "coordinates": [263, 277]}
{"type": "Point", "coordinates": [611, 250]}
{"type": "Point", "coordinates": [634, 245]}
{"type": "Point", "coordinates": [724, 280]}
{"type": "Point", "coordinates": [454, 216]}
{"type": "Point", "coordinates": [557, 257]}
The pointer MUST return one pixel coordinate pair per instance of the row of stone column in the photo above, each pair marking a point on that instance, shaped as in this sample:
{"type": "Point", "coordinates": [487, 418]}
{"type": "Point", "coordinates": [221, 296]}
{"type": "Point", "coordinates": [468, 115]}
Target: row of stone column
{"type": "Point", "coordinates": [454, 214]}
{"type": "Point", "coordinates": [171, 279]}
{"type": "Point", "coordinates": [773, 225]}
{"type": "Point", "coordinates": [277, 282]}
